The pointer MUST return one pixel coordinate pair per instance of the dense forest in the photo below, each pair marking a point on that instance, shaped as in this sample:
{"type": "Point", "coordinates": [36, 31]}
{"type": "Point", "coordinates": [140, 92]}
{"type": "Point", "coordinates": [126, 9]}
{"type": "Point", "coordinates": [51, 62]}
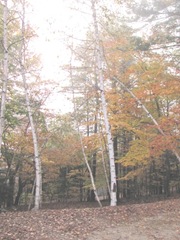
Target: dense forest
{"type": "Point", "coordinates": [121, 139]}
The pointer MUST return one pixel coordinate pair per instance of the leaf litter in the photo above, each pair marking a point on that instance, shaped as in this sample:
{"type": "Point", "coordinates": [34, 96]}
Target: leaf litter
{"type": "Point", "coordinates": [145, 221]}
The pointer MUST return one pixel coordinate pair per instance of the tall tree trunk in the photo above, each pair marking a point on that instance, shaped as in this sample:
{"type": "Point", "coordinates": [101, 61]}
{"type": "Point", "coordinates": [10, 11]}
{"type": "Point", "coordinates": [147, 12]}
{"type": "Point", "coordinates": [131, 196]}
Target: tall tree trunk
{"type": "Point", "coordinates": [99, 62]}
{"type": "Point", "coordinates": [5, 72]}
{"type": "Point", "coordinates": [19, 191]}
{"type": "Point", "coordinates": [93, 165]}
{"type": "Point", "coordinates": [38, 171]}
{"type": "Point", "coordinates": [81, 142]}
{"type": "Point", "coordinates": [89, 170]}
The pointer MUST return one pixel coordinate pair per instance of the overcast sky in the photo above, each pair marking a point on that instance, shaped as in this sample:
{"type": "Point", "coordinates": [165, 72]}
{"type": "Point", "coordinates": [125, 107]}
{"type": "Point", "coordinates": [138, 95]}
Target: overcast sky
{"type": "Point", "coordinates": [53, 21]}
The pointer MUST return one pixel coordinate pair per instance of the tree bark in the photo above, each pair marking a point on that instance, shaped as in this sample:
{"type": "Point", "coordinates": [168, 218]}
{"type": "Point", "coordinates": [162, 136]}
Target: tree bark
{"type": "Point", "coordinates": [99, 62]}
{"type": "Point", "coordinates": [89, 170]}
{"type": "Point", "coordinates": [81, 142]}
{"type": "Point", "coordinates": [20, 191]}
{"type": "Point", "coordinates": [38, 171]}
{"type": "Point", "coordinates": [5, 72]}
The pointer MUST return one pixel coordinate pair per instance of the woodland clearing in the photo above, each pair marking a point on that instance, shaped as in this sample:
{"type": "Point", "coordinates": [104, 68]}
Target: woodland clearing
{"type": "Point", "coordinates": [144, 221]}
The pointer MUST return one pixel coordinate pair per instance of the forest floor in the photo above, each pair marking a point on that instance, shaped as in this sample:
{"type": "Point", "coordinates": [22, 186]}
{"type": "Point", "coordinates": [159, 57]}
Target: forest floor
{"type": "Point", "coordinates": [145, 221]}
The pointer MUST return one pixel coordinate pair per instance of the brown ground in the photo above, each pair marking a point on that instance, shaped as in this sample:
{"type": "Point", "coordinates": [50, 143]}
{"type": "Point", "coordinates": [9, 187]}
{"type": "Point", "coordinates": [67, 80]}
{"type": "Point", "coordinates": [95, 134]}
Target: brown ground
{"type": "Point", "coordinates": [148, 221]}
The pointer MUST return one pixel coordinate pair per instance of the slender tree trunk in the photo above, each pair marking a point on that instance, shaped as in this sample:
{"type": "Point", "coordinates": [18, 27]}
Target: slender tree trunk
{"type": "Point", "coordinates": [94, 163]}
{"type": "Point", "coordinates": [19, 192]}
{"type": "Point", "coordinates": [93, 167]}
{"type": "Point", "coordinates": [81, 142]}
{"type": "Point", "coordinates": [38, 171]}
{"type": "Point", "coordinates": [89, 170]}
{"type": "Point", "coordinates": [5, 72]}
{"type": "Point", "coordinates": [99, 62]}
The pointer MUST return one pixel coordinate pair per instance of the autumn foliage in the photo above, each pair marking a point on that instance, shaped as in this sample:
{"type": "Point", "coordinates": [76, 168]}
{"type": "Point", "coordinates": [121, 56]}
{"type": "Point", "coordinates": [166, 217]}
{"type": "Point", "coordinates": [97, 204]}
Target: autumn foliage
{"type": "Point", "coordinates": [146, 62]}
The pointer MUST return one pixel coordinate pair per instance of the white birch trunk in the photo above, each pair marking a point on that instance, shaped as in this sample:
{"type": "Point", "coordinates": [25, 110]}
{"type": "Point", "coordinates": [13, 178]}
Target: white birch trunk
{"type": "Point", "coordinates": [148, 114]}
{"type": "Point", "coordinates": [82, 145]}
{"type": "Point", "coordinates": [38, 171]}
{"type": "Point", "coordinates": [5, 72]}
{"type": "Point", "coordinates": [99, 62]}
{"type": "Point", "coordinates": [89, 170]}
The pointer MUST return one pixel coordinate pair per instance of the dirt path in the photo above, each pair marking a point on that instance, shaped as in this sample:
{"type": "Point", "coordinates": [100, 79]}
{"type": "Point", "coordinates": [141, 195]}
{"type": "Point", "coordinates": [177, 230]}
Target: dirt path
{"type": "Point", "coordinates": [161, 227]}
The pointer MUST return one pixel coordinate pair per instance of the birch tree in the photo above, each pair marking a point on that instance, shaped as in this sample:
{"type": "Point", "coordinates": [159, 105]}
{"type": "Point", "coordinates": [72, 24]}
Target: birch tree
{"type": "Point", "coordinates": [99, 63]}
{"type": "Point", "coordinates": [22, 62]}
{"type": "Point", "coordinates": [92, 177]}
{"type": "Point", "coordinates": [5, 71]}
